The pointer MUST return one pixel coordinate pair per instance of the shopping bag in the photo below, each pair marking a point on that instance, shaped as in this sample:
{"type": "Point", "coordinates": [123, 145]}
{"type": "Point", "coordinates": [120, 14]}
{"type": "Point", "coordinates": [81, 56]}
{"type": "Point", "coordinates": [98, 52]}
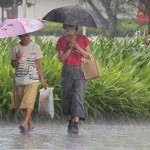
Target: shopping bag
{"type": "Point", "coordinates": [90, 68]}
{"type": "Point", "coordinates": [46, 102]}
{"type": "Point", "coordinates": [23, 80]}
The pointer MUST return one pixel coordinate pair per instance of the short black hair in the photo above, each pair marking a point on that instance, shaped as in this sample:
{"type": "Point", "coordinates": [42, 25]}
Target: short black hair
{"type": "Point", "coordinates": [68, 25]}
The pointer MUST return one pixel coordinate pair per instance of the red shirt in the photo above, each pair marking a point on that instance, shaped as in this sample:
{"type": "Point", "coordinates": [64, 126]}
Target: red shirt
{"type": "Point", "coordinates": [75, 56]}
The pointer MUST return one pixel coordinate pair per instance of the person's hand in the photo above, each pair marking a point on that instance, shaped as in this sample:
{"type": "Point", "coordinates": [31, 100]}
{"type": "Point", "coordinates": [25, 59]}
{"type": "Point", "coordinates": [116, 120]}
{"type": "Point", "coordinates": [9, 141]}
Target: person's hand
{"type": "Point", "coordinates": [75, 45]}
{"type": "Point", "coordinates": [44, 85]}
{"type": "Point", "coordinates": [70, 45]}
{"type": "Point", "coordinates": [19, 55]}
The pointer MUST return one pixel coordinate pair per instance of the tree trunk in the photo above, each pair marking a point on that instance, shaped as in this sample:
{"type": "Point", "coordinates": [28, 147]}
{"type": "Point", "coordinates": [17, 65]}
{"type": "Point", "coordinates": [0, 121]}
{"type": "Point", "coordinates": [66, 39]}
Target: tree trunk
{"type": "Point", "coordinates": [111, 7]}
{"type": "Point", "coordinates": [97, 11]}
{"type": "Point", "coordinates": [94, 7]}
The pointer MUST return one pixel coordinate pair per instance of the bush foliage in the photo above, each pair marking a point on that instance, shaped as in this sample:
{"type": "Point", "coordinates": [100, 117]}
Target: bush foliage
{"type": "Point", "coordinates": [125, 28]}
{"type": "Point", "coordinates": [122, 92]}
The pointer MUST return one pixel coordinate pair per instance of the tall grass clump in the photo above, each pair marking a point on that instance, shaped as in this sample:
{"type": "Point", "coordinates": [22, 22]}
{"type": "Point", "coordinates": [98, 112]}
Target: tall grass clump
{"type": "Point", "coordinates": [6, 73]}
{"type": "Point", "coordinates": [122, 92]}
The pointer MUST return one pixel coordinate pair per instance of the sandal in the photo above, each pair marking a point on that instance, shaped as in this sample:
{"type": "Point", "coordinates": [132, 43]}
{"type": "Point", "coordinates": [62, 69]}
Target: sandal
{"type": "Point", "coordinates": [30, 129]}
{"type": "Point", "coordinates": [22, 129]}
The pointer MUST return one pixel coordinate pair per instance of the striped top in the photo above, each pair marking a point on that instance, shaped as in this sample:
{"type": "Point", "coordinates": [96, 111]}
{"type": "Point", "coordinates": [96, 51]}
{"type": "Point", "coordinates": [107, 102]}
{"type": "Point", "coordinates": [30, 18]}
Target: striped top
{"type": "Point", "coordinates": [27, 63]}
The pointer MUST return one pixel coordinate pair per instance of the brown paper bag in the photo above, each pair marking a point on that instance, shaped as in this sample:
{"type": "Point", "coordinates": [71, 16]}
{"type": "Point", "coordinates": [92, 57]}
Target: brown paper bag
{"type": "Point", "coordinates": [90, 68]}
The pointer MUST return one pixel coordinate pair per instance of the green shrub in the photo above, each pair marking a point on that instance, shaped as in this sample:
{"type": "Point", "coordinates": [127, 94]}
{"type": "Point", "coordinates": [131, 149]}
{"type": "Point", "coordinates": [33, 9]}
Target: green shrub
{"type": "Point", "coordinates": [122, 92]}
{"type": "Point", "coordinates": [125, 27]}
{"type": "Point", "coordinates": [128, 27]}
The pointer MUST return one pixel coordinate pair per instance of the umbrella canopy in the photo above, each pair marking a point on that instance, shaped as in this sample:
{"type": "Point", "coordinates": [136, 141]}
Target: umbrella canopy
{"type": "Point", "coordinates": [19, 26]}
{"type": "Point", "coordinates": [76, 15]}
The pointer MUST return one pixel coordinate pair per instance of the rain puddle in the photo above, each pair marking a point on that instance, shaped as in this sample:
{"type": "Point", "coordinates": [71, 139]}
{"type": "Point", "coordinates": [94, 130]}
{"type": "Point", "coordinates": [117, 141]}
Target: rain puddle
{"type": "Point", "coordinates": [53, 136]}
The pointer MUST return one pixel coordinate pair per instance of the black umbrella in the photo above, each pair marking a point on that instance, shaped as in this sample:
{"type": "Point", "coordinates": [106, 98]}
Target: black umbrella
{"type": "Point", "coordinates": [76, 15]}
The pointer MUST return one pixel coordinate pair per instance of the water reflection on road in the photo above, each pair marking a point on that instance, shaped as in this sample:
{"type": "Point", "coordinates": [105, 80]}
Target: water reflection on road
{"type": "Point", "coordinates": [91, 137]}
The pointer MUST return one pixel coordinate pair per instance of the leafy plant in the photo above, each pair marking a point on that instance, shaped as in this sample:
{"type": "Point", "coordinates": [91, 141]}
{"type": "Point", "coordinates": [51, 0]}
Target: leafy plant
{"type": "Point", "coordinates": [122, 92]}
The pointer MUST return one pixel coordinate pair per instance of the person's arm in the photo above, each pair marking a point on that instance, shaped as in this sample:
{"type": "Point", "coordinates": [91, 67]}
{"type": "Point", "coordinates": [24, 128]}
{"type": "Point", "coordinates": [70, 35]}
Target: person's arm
{"type": "Point", "coordinates": [64, 55]}
{"type": "Point", "coordinates": [60, 47]}
{"type": "Point", "coordinates": [15, 63]}
{"type": "Point", "coordinates": [39, 69]}
{"type": "Point", "coordinates": [85, 53]}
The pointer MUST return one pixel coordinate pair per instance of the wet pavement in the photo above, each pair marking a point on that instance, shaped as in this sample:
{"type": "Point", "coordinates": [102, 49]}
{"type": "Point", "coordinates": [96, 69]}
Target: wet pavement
{"type": "Point", "coordinates": [53, 136]}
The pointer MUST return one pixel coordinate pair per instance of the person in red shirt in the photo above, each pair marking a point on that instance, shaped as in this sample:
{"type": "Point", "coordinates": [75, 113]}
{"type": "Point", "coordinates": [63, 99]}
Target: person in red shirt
{"type": "Point", "coordinates": [71, 48]}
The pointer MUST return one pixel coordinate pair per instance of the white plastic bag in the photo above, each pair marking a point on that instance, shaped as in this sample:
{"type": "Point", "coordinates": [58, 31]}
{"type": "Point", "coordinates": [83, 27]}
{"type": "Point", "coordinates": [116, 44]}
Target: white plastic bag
{"type": "Point", "coordinates": [46, 102]}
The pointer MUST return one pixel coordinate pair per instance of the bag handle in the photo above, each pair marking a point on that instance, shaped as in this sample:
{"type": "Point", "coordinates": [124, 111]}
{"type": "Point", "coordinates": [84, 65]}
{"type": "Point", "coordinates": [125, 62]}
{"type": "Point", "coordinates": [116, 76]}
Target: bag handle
{"type": "Point", "coordinates": [91, 58]}
{"type": "Point", "coordinates": [30, 54]}
{"type": "Point", "coordinates": [30, 57]}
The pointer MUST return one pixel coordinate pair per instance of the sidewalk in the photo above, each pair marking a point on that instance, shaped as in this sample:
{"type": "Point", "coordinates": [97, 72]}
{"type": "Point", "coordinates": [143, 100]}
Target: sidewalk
{"type": "Point", "coordinates": [91, 137]}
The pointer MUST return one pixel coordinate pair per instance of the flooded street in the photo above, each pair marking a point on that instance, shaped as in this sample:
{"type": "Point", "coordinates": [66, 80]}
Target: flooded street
{"type": "Point", "coordinates": [53, 136]}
